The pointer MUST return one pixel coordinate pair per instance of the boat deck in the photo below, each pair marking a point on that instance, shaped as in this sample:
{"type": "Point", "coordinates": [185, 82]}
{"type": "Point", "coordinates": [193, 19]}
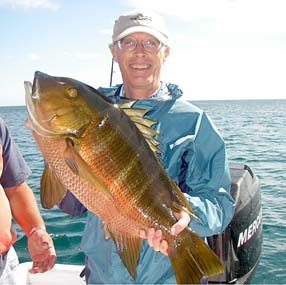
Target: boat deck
{"type": "Point", "coordinates": [60, 274]}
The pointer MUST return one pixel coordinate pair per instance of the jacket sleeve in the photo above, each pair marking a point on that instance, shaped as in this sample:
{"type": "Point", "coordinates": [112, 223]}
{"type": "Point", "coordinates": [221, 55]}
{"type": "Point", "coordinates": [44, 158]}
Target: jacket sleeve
{"type": "Point", "coordinates": [70, 205]}
{"type": "Point", "coordinates": [200, 168]}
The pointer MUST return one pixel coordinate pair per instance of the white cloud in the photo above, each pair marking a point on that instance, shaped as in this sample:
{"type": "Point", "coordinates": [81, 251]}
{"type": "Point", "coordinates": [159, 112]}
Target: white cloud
{"type": "Point", "coordinates": [241, 15]}
{"type": "Point", "coordinates": [34, 56]}
{"type": "Point", "coordinates": [86, 55]}
{"type": "Point", "coordinates": [107, 32]}
{"type": "Point", "coordinates": [186, 9]}
{"type": "Point", "coordinates": [30, 4]}
{"type": "Point", "coordinates": [81, 55]}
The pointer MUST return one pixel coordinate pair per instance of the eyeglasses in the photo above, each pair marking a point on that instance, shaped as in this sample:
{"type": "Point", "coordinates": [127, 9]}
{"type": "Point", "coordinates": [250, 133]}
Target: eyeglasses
{"type": "Point", "coordinates": [129, 44]}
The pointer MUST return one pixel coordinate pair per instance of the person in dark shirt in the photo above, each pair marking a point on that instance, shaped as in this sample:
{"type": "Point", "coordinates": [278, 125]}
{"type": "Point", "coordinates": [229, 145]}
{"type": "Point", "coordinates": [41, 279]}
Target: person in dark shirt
{"type": "Point", "coordinates": [17, 201]}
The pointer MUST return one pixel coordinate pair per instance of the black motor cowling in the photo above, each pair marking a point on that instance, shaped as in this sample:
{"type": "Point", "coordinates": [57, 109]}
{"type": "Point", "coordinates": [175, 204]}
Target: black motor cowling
{"type": "Point", "coordinates": [240, 245]}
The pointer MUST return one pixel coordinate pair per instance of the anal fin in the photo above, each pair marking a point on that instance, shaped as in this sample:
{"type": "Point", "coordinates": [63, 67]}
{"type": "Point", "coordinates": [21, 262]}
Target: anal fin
{"type": "Point", "coordinates": [128, 249]}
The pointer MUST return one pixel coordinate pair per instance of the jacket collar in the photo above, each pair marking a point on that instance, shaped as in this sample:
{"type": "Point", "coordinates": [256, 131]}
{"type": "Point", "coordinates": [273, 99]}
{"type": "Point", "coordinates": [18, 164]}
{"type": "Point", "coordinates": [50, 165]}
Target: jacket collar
{"type": "Point", "coordinates": [165, 92]}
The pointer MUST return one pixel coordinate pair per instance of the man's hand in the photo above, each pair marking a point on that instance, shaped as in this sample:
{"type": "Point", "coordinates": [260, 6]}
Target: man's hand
{"type": "Point", "coordinates": [42, 251]}
{"type": "Point", "coordinates": [155, 237]}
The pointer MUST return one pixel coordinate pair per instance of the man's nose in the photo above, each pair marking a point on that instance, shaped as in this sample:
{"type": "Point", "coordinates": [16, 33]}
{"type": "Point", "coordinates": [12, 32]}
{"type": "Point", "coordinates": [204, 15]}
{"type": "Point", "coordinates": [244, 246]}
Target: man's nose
{"type": "Point", "coordinates": [140, 48]}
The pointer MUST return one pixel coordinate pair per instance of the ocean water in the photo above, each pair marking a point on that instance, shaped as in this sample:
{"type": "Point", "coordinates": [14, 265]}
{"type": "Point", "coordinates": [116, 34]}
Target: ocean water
{"type": "Point", "coordinates": [255, 133]}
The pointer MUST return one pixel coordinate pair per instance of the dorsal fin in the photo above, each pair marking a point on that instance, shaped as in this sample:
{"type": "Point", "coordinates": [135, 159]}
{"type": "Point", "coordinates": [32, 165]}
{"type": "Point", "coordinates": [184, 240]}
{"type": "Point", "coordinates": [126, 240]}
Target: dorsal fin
{"type": "Point", "coordinates": [143, 124]}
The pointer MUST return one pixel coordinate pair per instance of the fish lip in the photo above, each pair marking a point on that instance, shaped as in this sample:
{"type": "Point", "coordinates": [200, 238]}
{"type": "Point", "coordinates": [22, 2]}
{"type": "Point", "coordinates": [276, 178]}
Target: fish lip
{"type": "Point", "coordinates": [28, 98]}
{"type": "Point", "coordinates": [28, 88]}
{"type": "Point", "coordinates": [32, 122]}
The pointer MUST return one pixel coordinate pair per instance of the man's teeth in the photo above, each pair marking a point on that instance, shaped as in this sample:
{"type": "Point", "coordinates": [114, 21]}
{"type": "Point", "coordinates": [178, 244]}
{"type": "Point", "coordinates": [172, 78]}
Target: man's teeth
{"type": "Point", "coordinates": [140, 65]}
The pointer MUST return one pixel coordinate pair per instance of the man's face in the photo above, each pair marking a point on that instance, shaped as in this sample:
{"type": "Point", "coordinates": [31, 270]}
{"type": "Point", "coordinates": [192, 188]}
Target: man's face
{"type": "Point", "coordinates": [141, 67]}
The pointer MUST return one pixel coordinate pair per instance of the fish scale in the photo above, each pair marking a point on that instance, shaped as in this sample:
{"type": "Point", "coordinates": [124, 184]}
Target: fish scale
{"type": "Point", "coordinates": [117, 170]}
{"type": "Point", "coordinates": [52, 150]}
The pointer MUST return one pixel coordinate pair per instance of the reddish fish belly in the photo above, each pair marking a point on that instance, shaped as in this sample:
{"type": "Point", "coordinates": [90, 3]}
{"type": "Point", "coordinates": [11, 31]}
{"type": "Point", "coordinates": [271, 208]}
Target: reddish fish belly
{"type": "Point", "coordinates": [93, 200]}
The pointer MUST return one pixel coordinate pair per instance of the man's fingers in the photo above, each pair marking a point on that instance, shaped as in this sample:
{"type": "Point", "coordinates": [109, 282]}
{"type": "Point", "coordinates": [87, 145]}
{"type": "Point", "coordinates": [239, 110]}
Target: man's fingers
{"type": "Point", "coordinates": [142, 234]}
{"type": "Point", "coordinates": [183, 222]}
{"type": "Point", "coordinates": [51, 262]}
{"type": "Point", "coordinates": [164, 247]}
{"type": "Point", "coordinates": [157, 240]}
{"type": "Point", "coordinates": [155, 237]}
{"type": "Point", "coordinates": [150, 236]}
{"type": "Point", "coordinates": [45, 264]}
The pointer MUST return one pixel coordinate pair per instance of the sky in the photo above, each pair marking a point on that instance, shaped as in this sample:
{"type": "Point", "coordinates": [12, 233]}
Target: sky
{"type": "Point", "coordinates": [220, 49]}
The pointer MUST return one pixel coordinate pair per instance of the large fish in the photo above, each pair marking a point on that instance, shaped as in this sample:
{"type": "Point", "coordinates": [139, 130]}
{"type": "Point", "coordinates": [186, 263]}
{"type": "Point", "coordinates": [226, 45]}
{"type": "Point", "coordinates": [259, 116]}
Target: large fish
{"type": "Point", "coordinates": [105, 155]}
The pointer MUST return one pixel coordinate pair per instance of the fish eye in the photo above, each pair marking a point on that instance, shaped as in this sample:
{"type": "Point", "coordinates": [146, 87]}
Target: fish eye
{"type": "Point", "coordinates": [71, 92]}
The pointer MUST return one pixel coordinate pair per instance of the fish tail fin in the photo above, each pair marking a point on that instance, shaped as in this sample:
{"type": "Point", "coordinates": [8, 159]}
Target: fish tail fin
{"type": "Point", "coordinates": [192, 259]}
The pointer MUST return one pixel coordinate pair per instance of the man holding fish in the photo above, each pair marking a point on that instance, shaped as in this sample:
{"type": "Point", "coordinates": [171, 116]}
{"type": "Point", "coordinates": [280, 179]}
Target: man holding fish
{"type": "Point", "coordinates": [144, 162]}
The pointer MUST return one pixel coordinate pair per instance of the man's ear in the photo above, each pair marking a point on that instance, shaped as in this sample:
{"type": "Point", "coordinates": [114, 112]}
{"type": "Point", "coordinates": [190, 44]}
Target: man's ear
{"type": "Point", "coordinates": [166, 54]}
{"type": "Point", "coordinates": [112, 49]}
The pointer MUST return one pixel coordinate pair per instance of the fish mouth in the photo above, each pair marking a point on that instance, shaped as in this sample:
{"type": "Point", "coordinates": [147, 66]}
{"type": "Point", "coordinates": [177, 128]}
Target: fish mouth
{"type": "Point", "coordinates": [31, 121]}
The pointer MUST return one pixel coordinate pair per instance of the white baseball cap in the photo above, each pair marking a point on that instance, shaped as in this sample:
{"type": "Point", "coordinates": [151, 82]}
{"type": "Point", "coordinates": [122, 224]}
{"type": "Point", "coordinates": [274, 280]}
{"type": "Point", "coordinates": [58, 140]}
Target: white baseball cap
{"type": "Point", "coordinates": [140, 21]}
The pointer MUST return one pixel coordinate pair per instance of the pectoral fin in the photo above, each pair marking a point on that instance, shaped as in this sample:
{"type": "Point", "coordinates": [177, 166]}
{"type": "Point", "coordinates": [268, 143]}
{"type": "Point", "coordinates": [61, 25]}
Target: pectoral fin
{"type": "Point", "coordinates": [52, 189]}
{"type": "Point", "coordinates": [79, 167]}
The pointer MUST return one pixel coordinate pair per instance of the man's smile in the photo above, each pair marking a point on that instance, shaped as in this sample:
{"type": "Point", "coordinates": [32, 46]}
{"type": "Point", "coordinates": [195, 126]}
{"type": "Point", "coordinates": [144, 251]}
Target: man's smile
{"type": "Point", "coordinates": [140, 66]}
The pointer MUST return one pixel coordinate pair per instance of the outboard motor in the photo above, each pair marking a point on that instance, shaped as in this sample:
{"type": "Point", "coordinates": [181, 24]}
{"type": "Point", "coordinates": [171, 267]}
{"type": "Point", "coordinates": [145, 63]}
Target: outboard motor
{"type": "Point", "coordinates": [240, 245]}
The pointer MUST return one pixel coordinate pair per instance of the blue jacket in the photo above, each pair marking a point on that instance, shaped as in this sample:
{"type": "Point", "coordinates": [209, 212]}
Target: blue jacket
{"type": "Point", "coordinates": [194, 155]}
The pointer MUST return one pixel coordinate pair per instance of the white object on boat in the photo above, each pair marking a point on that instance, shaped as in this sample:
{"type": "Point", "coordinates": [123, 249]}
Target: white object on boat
{"type": "Point", "coordinates": [60, 274]}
